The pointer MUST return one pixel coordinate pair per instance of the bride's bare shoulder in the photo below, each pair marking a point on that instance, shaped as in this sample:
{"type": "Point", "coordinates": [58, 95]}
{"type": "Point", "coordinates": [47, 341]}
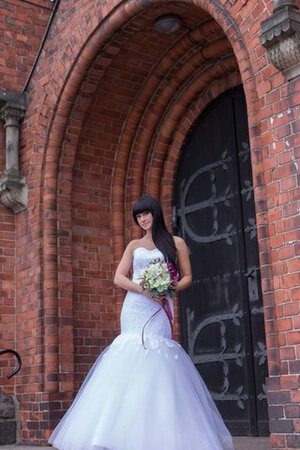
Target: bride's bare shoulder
{"type": "Point", "coordinates": [135, 243]}
{"type": "Point", "coordinates": [179, 242]}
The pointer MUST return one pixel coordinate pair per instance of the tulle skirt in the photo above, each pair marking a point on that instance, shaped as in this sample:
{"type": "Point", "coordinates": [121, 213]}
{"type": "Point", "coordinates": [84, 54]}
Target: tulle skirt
{"type": "Point", "coordinates": [142, 397]}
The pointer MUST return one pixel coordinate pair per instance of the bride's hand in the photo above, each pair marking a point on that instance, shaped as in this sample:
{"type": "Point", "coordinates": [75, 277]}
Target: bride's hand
{"type": "Point", "coordinates": [159, 298]}
{"type": "Point", "coordinates": [147, 293]}
{"type": "Point", "coordinates": [144, 291]}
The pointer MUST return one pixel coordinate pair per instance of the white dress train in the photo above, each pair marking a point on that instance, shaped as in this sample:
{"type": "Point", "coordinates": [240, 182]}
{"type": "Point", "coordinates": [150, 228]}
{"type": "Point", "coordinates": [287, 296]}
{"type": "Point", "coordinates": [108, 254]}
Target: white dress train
{"type": "Point", "coordinates": [143, 396]}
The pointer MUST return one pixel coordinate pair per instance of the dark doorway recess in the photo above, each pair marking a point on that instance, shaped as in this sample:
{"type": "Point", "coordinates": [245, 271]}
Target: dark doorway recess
{"type": "Point", "coordinates": [222, 319]}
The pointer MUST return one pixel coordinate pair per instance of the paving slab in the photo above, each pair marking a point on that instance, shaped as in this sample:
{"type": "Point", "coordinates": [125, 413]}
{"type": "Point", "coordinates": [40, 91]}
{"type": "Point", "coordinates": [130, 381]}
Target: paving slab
{"type": "Point", "coordinates": [241, 443]}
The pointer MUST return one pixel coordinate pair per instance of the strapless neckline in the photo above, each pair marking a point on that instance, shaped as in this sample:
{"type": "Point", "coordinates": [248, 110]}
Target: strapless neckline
{"type": "Point", "coordinates": [147, 249]}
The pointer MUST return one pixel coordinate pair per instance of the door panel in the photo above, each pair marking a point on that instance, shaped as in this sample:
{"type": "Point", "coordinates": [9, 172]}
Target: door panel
{"type": "Point", "coordinates": [222, 314]}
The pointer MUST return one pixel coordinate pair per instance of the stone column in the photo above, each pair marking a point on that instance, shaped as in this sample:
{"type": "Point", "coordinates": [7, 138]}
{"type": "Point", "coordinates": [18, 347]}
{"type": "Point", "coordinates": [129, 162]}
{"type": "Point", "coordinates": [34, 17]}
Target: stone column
{"type": "Point", "coordinates": [13, 187]}
{"type": "Point", "coordinates": [12, 116]}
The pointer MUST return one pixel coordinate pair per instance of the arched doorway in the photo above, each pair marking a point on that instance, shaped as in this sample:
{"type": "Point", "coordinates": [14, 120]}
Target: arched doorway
{"type": "Point", "coordinates": [125, 99]}
{"type": "Point", "coordinates": [222, 313]}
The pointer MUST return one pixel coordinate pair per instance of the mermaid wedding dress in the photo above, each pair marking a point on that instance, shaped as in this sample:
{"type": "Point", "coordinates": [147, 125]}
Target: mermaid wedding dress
{"type": "Point", "coordinates": [142, 394]}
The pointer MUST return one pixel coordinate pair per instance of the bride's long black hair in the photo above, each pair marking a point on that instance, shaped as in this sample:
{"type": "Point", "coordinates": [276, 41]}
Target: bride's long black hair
{"type": "Point", "coordinates": [162, 239]}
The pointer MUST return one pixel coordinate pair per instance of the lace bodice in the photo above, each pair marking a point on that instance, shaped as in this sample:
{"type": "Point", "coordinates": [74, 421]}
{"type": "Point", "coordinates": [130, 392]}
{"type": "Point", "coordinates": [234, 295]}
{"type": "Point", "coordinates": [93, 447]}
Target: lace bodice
{"type": "Point", "coordinates": [141, 259]}
{"type": "Point", "coordinates": [138, 308]}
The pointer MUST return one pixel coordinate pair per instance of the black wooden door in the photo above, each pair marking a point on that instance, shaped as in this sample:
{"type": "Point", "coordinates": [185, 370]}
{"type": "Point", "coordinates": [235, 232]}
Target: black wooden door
{"type": "Point", "coordinates": [222, 313]}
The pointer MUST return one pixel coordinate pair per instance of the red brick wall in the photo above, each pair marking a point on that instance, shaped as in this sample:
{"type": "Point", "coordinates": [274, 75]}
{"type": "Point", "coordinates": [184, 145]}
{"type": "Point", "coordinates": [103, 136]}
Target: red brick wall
{"type": "Point", "coordinates": [22, 24]}
{"type": "Point", "coordinates": [7, 294]}
{"type": "Point", "coordinates": [20, 40]}
{"type": "Point", "coordinates": [106, 105]}
{"type": "Point", "coordinates": [7, 284]}
{"type": "Point", "coordinates": [92, 255]}
{"type": "Point", "coordinates": [280, 160]}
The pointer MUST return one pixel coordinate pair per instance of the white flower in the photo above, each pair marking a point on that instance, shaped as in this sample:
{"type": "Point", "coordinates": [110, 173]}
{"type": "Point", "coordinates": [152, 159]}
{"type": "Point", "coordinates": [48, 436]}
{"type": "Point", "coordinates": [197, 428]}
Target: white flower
{"type": "Point", "coordinates": [156, 277]}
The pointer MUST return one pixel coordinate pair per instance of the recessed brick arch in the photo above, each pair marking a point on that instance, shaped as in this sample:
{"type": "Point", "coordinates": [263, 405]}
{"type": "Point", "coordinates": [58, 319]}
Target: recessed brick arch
{"type": "Point", "coordinates": [70, 147]}
{"type": "Point", "coordinates": [236, 40]}
{"type": "Point", "coordinates": [173, 91]}
{"type": "Point", "coordinates": [170, 162]}
{"type": "Point", "coordinates": [69, 99]}
{"type": "Point", "coordinates": [142, 112]}
{"type": "Point", "coordinates": [118, 188]}
{"type": "Point", "coordinates": [117, 18]}
{"type": "Point", "coordinates": [176, 108]}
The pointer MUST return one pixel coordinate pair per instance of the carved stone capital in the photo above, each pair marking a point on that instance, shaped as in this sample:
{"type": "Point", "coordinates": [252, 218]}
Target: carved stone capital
{"type": "Point", "coordinates": [14, 191]}
{"type": "Point", "coordinates": [12, 114]}
{"type": "Point", "coordinates": [281, 37]}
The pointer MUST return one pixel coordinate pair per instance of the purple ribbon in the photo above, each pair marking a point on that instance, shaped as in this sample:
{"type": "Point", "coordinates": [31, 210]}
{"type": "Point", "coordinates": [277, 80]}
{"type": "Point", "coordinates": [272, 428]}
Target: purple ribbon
{"type": "Point", "coordinates": [165, 305]}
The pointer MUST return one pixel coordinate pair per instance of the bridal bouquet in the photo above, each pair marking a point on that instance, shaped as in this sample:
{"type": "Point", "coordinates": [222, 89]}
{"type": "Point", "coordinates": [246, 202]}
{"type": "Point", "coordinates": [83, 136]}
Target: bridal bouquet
{"type": "Point", "coordinates": [160, 278]}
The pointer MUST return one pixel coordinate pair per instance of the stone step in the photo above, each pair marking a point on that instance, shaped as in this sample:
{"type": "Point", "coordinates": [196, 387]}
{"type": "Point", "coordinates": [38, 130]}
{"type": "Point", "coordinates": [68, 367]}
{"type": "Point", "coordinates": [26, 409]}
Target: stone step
{"type": "Point", "coordinates": [241, 443]}
{"type": "Point", "coordinates": [252, 443]}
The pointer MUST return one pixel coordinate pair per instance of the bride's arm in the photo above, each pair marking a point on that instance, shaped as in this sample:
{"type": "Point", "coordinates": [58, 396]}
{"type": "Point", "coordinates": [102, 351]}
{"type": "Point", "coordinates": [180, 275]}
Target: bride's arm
{"type": "Point", "coordinates": [121, 279]}
{"type": "Point", "coordinates": [184, 264]}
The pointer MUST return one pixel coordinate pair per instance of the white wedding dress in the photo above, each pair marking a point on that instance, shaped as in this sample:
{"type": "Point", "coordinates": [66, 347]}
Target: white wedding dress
{"type": "Point", "coordinates": [142, 396]}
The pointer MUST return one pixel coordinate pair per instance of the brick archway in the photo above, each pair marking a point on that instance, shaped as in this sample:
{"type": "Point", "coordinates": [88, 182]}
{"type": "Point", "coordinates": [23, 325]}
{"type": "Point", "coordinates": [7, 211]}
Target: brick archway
{"type": "Point", "coordinates": [155, 108]}
{"type": "Point", "coordinates": [90, 106]}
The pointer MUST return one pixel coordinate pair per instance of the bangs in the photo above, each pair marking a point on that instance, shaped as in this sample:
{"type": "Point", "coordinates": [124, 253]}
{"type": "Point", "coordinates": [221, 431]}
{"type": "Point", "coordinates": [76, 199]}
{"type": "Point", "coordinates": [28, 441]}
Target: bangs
{"type": "Point", "coordinates": [144, 204]}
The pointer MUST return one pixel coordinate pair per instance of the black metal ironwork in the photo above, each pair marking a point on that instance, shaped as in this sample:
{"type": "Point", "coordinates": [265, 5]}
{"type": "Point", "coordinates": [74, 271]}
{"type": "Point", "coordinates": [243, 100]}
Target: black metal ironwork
{"type": "Point", "coordinates": [19, 361]}
{"type": "Point", "coordinates": [222, 313]}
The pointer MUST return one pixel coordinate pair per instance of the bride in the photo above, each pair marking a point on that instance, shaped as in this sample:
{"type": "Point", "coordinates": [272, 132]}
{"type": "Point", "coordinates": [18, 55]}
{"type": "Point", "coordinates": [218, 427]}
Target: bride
{"type": "Point", "coordinates": [143, 392]}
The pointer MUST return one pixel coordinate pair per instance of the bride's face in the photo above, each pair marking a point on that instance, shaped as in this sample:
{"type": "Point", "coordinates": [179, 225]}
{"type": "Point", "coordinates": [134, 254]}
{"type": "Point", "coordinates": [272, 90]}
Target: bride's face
{"type": "Point", "coordinates": [145, 220]}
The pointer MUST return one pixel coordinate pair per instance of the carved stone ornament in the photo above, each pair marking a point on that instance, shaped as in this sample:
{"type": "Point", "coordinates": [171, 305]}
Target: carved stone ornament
{"type": "Point", "coordinates": [281, 37]}
{"type": "Point", "coordinates": [13, 186]}
{"type": "Point", "coordinates": [14, 191]}
{"type": "Point", "coordinates": [12, 114]}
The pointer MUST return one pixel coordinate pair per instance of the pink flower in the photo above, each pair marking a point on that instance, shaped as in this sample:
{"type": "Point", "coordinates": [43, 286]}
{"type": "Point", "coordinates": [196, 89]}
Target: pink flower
{"type": "Point", "coordinates": [173, 272]}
